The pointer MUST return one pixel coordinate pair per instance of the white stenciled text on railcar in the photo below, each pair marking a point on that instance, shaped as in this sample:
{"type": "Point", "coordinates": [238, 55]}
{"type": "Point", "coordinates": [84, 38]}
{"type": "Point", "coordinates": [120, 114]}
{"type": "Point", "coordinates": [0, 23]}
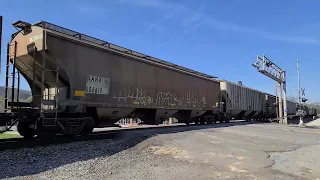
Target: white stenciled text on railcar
{"type": "Point", "coordinates": [97, 85]}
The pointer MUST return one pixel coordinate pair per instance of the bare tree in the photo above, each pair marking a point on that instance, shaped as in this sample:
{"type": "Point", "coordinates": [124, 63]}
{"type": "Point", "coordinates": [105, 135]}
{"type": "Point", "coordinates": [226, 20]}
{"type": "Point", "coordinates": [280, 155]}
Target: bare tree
{"type": "Point", "coordinates": [292, 98]}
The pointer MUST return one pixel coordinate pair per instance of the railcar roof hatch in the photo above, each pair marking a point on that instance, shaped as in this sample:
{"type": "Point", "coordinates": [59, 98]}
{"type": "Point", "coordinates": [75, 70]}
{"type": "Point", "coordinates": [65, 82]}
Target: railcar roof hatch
{"type": "Point", "coordinates": [21, 24]}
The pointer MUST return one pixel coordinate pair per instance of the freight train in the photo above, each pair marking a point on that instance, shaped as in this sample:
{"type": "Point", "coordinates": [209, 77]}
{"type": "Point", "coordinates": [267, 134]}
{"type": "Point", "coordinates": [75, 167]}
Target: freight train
{"type": "Point", "coordinates": [79, 83]}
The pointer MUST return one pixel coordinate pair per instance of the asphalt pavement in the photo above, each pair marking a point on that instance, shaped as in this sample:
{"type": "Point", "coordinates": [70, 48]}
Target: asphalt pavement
{"type": "Point", "coordinates": [220, 151]}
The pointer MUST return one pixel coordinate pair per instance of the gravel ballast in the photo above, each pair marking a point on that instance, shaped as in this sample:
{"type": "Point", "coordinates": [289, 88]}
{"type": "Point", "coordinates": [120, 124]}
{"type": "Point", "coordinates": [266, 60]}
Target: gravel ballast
{"type": "Point", "coordinates": [243, 151]}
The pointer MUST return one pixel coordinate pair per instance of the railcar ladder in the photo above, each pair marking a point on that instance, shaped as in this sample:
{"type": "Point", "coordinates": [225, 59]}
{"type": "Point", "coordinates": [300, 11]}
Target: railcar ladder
{"type": "Point", "coordinates": [48, 100]}
{"type": "Point", "coordinates": [11, 56]}
{"type": "Point", "coordinates": [48, 115]}
{"type": "Point", "coordinates": [15, 91]}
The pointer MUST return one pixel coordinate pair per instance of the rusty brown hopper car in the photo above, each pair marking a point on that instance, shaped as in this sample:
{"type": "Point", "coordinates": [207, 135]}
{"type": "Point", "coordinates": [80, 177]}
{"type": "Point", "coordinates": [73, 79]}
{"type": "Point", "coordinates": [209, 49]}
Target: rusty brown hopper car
{"type": "Point", "coordinates": [101, 82]}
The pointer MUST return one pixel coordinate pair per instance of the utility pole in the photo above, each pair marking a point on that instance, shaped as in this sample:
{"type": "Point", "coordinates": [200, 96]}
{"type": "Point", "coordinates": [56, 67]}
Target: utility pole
{"type": "Point", "coordinates": [1, 19]}
{"type": "Point", "coordinates": [300, 111]}
{"type": "Point", "coordinates": [271, 70]}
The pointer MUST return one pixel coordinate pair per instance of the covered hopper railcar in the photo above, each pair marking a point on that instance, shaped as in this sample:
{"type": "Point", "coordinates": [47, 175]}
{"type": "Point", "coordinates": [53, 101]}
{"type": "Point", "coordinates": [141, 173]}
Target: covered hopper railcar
{"type": "Point", "coordinates": [312, 112]}
{"type": "Point", "coordinates": [79, 82]}
{"type": "Point", "coordinates": [243, 102]}
{"type": "Point", "coordinates": [291, 107]}
{"type": "Point", "coordinates": [270, 106]}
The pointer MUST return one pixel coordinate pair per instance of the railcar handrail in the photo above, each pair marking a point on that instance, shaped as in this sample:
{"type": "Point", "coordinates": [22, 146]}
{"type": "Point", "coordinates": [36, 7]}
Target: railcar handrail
{"type": "Point", "coordinates": [83, 37]}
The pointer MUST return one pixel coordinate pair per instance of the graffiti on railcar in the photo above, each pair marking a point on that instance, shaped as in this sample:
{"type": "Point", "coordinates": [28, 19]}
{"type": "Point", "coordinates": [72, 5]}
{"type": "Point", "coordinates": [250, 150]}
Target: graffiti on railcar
{"type": "Point", "coordinates": [133, 95]}
{"type": "Point", "coordinates": [139, 96]}
{"type": "Point", "coordinates": [167, 99]}
{"type": "Point", "coordinates": [186, 99]}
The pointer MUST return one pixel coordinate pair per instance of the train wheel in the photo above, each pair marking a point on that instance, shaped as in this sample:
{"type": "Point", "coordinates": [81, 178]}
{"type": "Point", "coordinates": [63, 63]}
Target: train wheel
{"type": "Point", "coordinates": [215, 119]}
{"type": "Point", "coordinates": [209, 120]}
{"type": "Point", "coordinates": [223, 119]}
{"type": "Point", "coordinates": [202, 121]}
{"type": "Point", "coordinates": [187, 123]}
{"type": "Point", "coordinates": [89, 126]}
{"type": "Point", "coordinates": [25, 130]}
{"type": "Point", "coordinates": [45, 132]}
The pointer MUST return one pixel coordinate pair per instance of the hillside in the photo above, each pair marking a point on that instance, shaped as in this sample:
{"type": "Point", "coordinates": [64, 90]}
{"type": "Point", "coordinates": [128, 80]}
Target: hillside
{"type": "Point", "coordinates": [24, 94]}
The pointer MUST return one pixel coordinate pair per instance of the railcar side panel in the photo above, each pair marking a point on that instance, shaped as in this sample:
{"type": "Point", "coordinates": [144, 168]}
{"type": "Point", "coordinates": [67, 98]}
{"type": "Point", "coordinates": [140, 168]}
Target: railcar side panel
{"type": "Point", "coordinates": [133, 84]}
{"type": "Point", "coordinates": [243, 100]}
{"type": "Point", "coordinates": [115, 84]}
{"type": "Point", "coordinates": [291, 106]}
{"type": "Point", "coordinates": [271, 106]}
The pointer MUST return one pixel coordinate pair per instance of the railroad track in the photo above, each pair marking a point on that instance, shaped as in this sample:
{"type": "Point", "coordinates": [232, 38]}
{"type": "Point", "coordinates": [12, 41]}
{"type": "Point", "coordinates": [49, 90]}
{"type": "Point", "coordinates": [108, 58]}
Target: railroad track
{"type": "Point", "coordinates": [16, 143]}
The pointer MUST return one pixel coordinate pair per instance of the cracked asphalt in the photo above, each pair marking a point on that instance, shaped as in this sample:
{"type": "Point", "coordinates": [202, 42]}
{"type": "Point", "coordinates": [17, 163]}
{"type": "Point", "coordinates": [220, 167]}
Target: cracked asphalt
{"type": "Point", "coordinates": [218, 151]}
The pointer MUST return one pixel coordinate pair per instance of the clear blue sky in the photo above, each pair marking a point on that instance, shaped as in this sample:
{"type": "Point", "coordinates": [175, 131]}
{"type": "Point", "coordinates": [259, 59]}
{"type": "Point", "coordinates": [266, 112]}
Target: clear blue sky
{"type": "Point", "coordinates": [220, 38]}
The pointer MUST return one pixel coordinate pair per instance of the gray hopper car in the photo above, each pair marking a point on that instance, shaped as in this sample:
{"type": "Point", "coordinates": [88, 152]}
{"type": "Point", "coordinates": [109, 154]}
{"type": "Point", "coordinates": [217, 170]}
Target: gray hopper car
{"type": "Point", "coordinates": [291, 107]}
{"type": "Point", "coordinates": [309, 111]}
{"type": "Point", "coordinates": [243, 102]}
{"type": "Point", "coordinates": [272, 109]}
{"type": "Point", "coordinates": [312, 112]}
{"type": "Point", "coordinates": [271, 106]}
{"type": "Point", "coordinates": [79, 82]}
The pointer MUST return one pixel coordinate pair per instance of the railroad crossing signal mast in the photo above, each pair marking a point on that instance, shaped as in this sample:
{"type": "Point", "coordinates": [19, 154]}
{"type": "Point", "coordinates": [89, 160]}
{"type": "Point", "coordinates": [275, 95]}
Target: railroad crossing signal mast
{"type": "Point", "coordinates": [271, 70]}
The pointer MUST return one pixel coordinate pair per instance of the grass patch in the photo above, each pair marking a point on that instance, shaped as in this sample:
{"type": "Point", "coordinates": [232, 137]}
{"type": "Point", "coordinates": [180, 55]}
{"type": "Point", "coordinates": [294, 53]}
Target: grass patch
{"type": "Point", "coordinates": [9, 135]}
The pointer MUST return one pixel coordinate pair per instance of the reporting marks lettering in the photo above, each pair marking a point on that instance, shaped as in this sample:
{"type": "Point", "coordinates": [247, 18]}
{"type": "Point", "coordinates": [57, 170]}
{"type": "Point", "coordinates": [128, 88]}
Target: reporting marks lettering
{"type": "Point", "coordinates": [94, 79]}
{"type": "Point", "coordinates": [34, 38]}
{"type": "Point", "coordinates": [97, 85]}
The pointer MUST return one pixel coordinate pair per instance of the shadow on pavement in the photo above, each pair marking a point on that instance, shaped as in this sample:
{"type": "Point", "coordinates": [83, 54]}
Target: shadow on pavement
{"type": "Point", "coordinates": [296, 120]}
{"type": "Point", "coordinates": [29, 161]}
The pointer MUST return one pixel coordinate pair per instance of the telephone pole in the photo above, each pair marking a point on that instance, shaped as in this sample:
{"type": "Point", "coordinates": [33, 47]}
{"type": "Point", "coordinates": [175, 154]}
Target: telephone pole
{"type": "Point", "coordinates": [300, 111]}
{"type": "Point", "coordinates": [271, 70]}
{"type": "Point", "coordinates": [1, 19]}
